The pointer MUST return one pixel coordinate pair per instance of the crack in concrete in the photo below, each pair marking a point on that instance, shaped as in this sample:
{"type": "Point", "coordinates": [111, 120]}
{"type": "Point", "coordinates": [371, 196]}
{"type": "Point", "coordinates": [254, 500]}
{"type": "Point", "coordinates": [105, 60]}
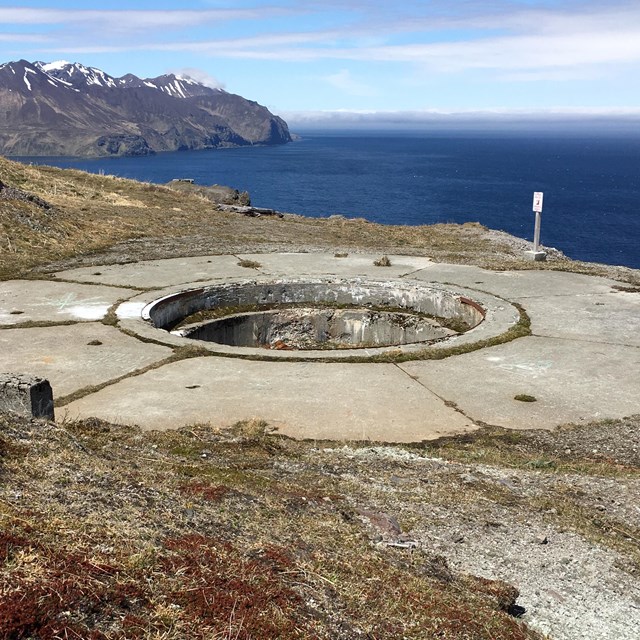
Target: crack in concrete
{"type": "Point", "coordinates": [571, 339]}
{"type": "Point", "coordinates": [447, 403]}
{"type": "Point", "coordinates": [410, 273]}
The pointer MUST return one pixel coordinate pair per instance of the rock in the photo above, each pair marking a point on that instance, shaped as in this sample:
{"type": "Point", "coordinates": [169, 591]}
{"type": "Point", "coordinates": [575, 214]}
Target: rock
{"type": "Point", "coordinates": [385, 524]}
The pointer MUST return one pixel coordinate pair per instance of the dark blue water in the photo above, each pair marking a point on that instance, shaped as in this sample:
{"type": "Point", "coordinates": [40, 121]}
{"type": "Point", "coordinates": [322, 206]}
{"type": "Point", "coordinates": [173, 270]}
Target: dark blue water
{"type": "Point", "coordinates": [591, 185]}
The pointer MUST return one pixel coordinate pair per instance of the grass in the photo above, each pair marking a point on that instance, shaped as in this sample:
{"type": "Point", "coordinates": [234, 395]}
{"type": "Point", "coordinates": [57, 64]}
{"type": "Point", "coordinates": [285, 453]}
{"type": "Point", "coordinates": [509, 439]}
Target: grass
{"type": "Point", "coordinates": [204, 534]}
{"type": "Point", "coordinates": [249, 264]}
{"type": "Point", "coordinates": [523, 397]}
{"type": "Point", "coordinates": [97, 219]}
{"type": "Point", "coordinates": [382, 262]}
{"type": "Point", "coordinates": [530, 449]}
{"type": "Point", "coordinates": [109, 532]}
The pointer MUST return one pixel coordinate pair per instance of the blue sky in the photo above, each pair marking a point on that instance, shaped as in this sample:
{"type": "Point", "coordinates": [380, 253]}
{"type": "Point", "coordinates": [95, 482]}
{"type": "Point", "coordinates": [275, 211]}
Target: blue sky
{"type": "Point", "coordinates": [316, 59]}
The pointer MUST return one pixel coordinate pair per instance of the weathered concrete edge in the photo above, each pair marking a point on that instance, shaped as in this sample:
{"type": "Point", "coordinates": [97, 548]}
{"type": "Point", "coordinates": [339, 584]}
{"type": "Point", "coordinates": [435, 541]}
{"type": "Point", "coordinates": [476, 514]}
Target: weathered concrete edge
{"type": "Point", "coordinates": [504, 321]}
{"type": "Point", "coordinates": [27, 395]}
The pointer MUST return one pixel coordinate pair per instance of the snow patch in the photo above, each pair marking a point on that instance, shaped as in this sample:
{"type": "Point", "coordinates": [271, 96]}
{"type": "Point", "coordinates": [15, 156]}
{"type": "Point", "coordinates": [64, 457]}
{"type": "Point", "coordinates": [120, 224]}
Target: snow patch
{"type": "Point", "coordinates": [179, 89]}
{"type": "Point", "coordinates": [27, 82]}
{"type": "Point", "coordinates": [58, 65]}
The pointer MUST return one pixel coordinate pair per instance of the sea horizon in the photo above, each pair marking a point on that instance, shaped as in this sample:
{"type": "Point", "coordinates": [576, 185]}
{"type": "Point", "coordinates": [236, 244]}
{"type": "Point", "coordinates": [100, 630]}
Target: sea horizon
{"type": "Point", "coordinates": [591, 180]}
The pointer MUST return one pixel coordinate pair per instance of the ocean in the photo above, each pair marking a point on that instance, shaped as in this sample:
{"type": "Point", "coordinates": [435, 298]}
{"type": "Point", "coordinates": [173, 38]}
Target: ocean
{"type": "Point", "coordinates": [591, 183]}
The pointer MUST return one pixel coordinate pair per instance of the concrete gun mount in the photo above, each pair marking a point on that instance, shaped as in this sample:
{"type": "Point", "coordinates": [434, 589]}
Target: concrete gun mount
{"type": "Point", "coordinates": [320, 318]}
{"type": "Point", "coordinates": [109, 341]}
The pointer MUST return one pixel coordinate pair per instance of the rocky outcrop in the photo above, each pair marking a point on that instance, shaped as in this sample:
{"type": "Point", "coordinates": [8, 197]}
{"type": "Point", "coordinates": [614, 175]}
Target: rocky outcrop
{"type": "Point", "coordinates": [215, 193]}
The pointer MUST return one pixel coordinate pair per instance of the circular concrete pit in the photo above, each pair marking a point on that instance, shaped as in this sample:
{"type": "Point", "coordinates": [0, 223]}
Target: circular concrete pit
{"type": "Point", "coordinates": [318, 328]}
{"type": "Point", "coordinates": [325, 318]}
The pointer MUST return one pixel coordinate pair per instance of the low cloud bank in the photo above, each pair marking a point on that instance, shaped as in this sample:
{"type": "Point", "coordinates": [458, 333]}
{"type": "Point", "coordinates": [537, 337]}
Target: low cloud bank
{"type": "Point", "coordinates": [565, 120]}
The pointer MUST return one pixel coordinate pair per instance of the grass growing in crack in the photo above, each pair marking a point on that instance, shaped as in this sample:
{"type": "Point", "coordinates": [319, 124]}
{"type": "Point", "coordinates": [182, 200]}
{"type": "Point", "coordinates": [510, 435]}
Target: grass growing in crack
{"type": "Point", "coordinates": [179, 353]}
{"type": "Point", "coordinates": [382, 261]}
{"type": "Point", "coordinates": [249, 264]}
{"type": "Point", "coordinates": [523, 397]}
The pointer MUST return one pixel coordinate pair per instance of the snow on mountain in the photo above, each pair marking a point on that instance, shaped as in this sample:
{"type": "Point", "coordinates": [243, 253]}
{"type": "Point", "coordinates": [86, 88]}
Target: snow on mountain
{"type": "Point", "coordinates": [80, 78]}
{"type": "Point", "coordinates": [64, 108]}
{"type": "Point", "coordinates": [53, 66]}
{"type": "Point", "coordinates": [76, 74]}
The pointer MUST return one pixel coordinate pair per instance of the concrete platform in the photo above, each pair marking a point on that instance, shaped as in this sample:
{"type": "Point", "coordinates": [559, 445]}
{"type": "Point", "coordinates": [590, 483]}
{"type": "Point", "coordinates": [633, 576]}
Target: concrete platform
{"type": "Point", "coordinates": [581, 363]}
{"type": "Point", "coordinates": [302, 400]}
{"type": "Point", "coordinates": [66, 358]}
{"type": "Point", "coordinates": [155, 274]}
{"type": "Point", "coordinates": [572, 381]}
{"type": "Point", "coordinates": [24, 301]}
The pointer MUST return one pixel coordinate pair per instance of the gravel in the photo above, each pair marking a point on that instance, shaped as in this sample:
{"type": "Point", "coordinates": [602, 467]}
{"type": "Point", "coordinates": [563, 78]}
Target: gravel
{"type": "Point", "coordinates": [564, 540]}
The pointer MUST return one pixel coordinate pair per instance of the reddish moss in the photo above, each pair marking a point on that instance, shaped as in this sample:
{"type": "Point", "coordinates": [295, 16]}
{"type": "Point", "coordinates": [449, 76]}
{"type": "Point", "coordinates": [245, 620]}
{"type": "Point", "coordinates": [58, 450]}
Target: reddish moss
{"type": "Point", "coordinates": [223, 589]}
{"type": "Point", "coordinates": [72, 592]}
{"type": "Point", "coordinates": [210, 493]}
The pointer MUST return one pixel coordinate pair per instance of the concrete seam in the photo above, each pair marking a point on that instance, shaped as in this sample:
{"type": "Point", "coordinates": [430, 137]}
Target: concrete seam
{"type": "Point", "coordinates": [448, 403]}
{"type": "Point", "coordinates": [411, 273]}
{"type": "Point", "coordinates": [569, 339]}
{"type": "Point", "coordinates": [99, 284]}
{"type": "Point", "coordinates": [565, 295]}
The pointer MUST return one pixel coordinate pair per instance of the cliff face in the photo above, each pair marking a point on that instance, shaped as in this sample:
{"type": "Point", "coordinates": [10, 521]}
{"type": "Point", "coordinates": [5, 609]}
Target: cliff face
{"type": "Point", "coordinates": [69, 109]}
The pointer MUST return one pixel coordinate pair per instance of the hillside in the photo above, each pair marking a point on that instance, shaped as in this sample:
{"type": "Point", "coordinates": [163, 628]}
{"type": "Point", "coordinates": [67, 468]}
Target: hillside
{"type": "Point", "coordinates": [69, 109]}
{"type": "Point", "coordinates": [237, 532]}
{"type": "Point", "coordinates": [52, 216]}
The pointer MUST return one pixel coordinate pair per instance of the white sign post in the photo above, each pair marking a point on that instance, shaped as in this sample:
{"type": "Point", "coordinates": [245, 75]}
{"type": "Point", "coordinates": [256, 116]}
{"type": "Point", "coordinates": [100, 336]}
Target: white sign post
{"type": "Point", "coordinates": [536, 254]}
{"type": "Point", "coordinates": [537, 207]}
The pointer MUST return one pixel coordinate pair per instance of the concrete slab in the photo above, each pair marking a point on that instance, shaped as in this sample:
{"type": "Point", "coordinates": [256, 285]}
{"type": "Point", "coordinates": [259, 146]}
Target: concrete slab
{"type": "Point", "coordinates": [517, 284]}
{"type": "Point", "coordinates": [24, 301]}
{"type": "Point", "coordinates": [326, 264]}
{"type": "Point", "coordinates": [573, 381]}
{"type": "Point", "coordinates": [611, 317]}
{"type": "Point", "coordinates": [149, 274]}
{"type": "Point", "coordinates": [64, 356]}
{"type": "Point", "coordinates": [303, 400]}
{"type": "Point", "coordinates": [582, 363]}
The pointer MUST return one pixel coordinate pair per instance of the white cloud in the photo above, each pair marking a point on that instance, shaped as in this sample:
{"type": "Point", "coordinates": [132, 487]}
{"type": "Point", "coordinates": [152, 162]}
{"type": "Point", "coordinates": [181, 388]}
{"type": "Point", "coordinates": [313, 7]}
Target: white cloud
{"type": "Point", "coordinates": [199, 76]}
{"type": "Point", "coordinates": [127, 18]}
{"type": "Point", "coordinates": [441, 37]}
{"type": "Point", "coordinates": [22, 37]}
{"type": "Point", "coordinates": [606, 119]}
{"type": "Point", "coordinates": [345, 82]}
{"type": "Point", "coordinates": [528, 41]}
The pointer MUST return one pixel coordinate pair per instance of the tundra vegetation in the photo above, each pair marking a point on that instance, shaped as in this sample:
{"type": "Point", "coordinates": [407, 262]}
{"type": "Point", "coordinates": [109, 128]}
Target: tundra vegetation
{"type": "Point", "coordinates": [237, 533]}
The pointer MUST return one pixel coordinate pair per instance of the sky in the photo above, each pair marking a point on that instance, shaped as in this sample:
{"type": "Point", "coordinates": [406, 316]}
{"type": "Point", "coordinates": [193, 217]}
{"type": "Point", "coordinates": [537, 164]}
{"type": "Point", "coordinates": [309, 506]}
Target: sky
{"type": "Point", "coordinates": [358, 60]}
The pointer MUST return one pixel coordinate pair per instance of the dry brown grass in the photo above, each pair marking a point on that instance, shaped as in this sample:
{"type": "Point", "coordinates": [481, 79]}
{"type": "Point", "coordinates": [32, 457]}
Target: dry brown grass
{"type": "Point", "coordinates": [111, 533]}
{"type": "Point", "coordinates": [96, 219]}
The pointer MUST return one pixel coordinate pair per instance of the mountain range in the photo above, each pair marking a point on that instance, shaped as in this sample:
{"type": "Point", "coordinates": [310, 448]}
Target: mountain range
{"type": "Point", "coordinates": [68, 109]}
